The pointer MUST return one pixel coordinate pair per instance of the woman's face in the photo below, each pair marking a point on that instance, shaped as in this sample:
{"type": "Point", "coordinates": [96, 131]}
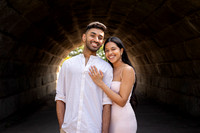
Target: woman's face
{"type": "Point", "coordinates": [113, 52]}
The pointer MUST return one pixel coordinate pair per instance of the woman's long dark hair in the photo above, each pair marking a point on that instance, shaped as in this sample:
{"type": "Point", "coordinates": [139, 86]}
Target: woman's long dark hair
{"type": "Point", "coordinates": [125, 59]}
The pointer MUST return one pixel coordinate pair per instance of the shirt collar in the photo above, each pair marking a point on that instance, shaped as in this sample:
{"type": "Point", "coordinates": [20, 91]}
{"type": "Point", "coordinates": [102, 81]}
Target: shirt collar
{"type": "Point", "coordinates": [91, 56]}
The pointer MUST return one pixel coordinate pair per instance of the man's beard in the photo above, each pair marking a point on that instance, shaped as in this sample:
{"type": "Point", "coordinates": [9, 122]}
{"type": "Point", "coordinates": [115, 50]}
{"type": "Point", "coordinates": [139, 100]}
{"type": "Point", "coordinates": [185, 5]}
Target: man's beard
{"type": "Point", "coordinates": [90, 48]}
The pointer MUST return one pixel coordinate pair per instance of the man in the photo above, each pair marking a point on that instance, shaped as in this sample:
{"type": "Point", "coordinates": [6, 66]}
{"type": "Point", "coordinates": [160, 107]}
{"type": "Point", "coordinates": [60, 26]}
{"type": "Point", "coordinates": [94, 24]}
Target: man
{"type": "Point", "coordinates": [82, 107]}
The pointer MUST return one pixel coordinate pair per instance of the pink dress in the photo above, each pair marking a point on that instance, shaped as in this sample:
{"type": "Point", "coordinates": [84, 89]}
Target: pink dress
{"type": "Point", "coordinates": [123, 119]}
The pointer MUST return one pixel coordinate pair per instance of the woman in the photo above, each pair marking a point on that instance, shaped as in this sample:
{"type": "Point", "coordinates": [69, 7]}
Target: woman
{"type": "Point", "coordinates": [123, 118]}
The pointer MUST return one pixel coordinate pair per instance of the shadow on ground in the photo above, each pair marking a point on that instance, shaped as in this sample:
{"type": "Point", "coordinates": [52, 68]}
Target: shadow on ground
{"type": "Point", "coordinates": [39, 117]}
{"type": "Point", "coordinates": [152, 118]}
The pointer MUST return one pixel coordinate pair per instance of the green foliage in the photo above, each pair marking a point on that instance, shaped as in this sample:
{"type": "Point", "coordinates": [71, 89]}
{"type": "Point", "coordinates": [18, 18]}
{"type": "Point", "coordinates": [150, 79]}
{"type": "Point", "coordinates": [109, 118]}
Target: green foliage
{"type": "Point", "coordinates": [77, 51]}
{"type": "Point", "coordinates": [101, 53]}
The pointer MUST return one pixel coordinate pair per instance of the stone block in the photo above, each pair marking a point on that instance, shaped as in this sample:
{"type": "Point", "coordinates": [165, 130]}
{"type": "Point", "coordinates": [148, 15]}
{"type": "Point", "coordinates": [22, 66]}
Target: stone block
{"type": "Point", "coordinates": [194, 20]}
{"type": "Point", "coordinates": [14, 85]}
{"type": "Point", "coordinates": [50, 88]}
{"type": "Point", "coordinates": [141, 90]}
{"type": "Point", "coordinates": [32, 82]}
{"type": "Point", "coordinates": [177, 70]}
{"type": "Point", "coordinates": [155, 56]}
{"type": "Point", "coordinates": [142, 9]}
{"type": "Point", "coordinates": [193, 106]}
{"type": "Point", "coordinates": [194, 87]}
{"type": "Point", "coordinates": [25, 53]}
{"type": "Point", "coordinates": [196, 68]}
{"type": "Point", "coordinates": [142, 60]}
{"type": "Point", "coordinates": [147, 46]}
{"type": "Point", "coordinates": [55, 61]}
{"type": "Point", "coordinates": [183, 69]}
{"type": "Point", "coordinates": [162, 82]}
{"type": "Point", "coordinates": [46, 79]}
{"type": "Point", "coordinates": [141, 47]}
{"type": "Point", "coordinates": [8, 106]}
{"type": "Point", "coordinates": [46, 58]}
{"type": "Point", "coordinates": [184, 86]}
{"type": "Point", "coordinates": [129, 42]}
{"type": "Point", "coordinates": [144, 79]}
{"type": "Point", "coordinates": [38, 81]}
{"type": "Point", "coordinates": [140, 69]}
{"type": "Point", "coordinates": [12, 69]}
{"type": "Point", "coordinates": [145, 31]}
{"type": "Point", "coordinates": [53, 77]}
{"type": "Point", "coordinates": [6, 46]}
{"type": "Point", "coordinates": [167, 37]}
{"type": "Point", "coordinates": [155, 81]}
{"type": "Point", "coordinates": [152, 69]}
{"type": "Point", "coordinates": [152, 92]}
{"type": "Point", "coordinates": [185, 29]}
{"type": "Point", "coordinates": [24, 83]}
{"type": "Point", "coordinates": [175, 84]}
{"type": "Point", "coordinates": [179, 52]}
{"type": "Point", "coordinates": [56, 49]}
{"type": "Point", "coordinates": [182, 8]}
{"type": "Point", "coordinates": [4, 88]}
{"type": "Point", "coordinates": [164, 69]}
{"type": "Point", "coordinates": [185, 103]}
{"type": "Point", "coordinates": [33, 10]}
{"type": "Point", "coordinates": [193, 48]}
{"type": "Point", "coordinates": [150, 45]}
{"type": "Point", "coordinates": [162, 18]}
{"type": "Point", "coordinates": [147, 69]}
{"type": "Point", "coordinates": [167, 55]}
{"type": "Point", "coordinates": [11, 22]}
{"type": "Point", "coordinates": [139, 78]}
{"type": "Point", "coordinates": [41, 92]}
{"type": "Point", "coordinates": [134, 51]}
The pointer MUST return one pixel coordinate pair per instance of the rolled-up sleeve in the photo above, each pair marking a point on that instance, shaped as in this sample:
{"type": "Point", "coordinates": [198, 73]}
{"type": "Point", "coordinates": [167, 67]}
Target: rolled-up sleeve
{"type": "Point", "coordinates": [60, 89]}
{"type": "Point", "coordinates": [108, 77]}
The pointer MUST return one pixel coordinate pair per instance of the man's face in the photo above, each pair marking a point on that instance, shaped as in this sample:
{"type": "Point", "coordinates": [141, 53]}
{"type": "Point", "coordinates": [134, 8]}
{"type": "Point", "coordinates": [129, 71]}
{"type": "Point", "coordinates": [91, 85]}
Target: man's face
{"type": "Point", "coordinates": [93, 39]}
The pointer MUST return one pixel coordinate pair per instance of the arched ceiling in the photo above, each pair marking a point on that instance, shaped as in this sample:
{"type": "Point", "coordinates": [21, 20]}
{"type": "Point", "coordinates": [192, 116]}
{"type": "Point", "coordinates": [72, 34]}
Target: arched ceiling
{"type": "Point", "coordinates": [57, 25]}
{"type": "Point", "coordinates": [161, 37]}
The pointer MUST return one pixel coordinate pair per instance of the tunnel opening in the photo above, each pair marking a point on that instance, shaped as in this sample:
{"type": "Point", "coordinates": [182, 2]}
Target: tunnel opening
{"type": "Point", "coordinates": [161, 36]}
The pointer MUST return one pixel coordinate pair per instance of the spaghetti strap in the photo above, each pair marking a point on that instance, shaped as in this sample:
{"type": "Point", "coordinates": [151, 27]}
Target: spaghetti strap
{"type": "Point", "coordinates": [121, 74]}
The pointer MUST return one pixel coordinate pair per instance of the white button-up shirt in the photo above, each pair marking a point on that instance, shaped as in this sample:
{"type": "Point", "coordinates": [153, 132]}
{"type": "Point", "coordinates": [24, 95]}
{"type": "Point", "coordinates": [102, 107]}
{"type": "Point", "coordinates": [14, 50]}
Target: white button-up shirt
{"type": "Point", "coordinates": [84, 100]}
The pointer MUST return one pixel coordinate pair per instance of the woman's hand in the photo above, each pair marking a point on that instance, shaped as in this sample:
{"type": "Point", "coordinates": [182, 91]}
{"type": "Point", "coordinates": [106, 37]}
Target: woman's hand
{"type": "Point", "coordinates": [96, 76]}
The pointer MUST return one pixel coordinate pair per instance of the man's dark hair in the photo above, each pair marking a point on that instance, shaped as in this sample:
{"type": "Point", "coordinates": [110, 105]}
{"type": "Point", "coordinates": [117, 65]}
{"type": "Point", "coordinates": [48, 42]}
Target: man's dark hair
{"type": "Point", "coordinates": [97, 25]}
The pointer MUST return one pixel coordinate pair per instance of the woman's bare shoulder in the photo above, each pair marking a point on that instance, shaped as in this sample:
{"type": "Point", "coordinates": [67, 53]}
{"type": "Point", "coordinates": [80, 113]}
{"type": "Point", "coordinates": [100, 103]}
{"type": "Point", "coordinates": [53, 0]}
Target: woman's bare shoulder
{"type": "Point", "coordinates": [128, 69]}
{"type": "Point", "coordinates": [128, 73]}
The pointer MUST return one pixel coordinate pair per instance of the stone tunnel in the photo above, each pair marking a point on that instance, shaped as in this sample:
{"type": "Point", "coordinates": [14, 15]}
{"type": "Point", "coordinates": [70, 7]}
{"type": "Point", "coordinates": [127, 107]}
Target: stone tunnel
{"type": "Point", "coordinates": [162, 38]}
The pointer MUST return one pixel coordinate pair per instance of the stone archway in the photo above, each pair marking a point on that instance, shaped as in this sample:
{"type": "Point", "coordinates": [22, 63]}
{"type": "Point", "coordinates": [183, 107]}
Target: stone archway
{"type": "Point", "coordinates": [162, 38]}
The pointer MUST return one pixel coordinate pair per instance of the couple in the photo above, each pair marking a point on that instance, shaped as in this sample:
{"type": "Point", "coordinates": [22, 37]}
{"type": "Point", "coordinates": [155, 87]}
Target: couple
{"type": "Point", "coordinates": [92, 96]}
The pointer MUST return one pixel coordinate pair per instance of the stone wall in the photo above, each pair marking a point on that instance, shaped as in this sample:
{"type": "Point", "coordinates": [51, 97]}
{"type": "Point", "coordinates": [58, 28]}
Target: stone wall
{"type": "Point", "coordinates": [167, 61]}
{"type": "Point", "coordinates": [161, 37]}
{"type": "Point", "coordinates": [27, 74]}
{"type": "Point", "coordinates": [28, 61]}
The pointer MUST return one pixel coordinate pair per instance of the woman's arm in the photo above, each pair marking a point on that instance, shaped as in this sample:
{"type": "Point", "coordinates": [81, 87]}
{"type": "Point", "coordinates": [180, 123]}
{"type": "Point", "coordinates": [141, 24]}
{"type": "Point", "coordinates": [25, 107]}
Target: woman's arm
{"type": "Point", "coordinates": [106, 118]}
{"type": "Point", "coordinates": [125, 87]}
